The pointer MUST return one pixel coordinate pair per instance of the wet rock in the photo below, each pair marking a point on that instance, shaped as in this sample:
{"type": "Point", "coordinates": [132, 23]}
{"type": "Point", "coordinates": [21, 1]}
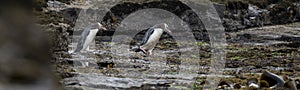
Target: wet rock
{"type": "Point", "coordinates": [56, 5]}
{"type": "Point", "coordinates": [73, 88]}
{"type": "Point", "coordinates": [173, 60]}
{"type": "Point", "coordinates": [272, 79]}
{"type": "Point", "coordinates": [220, 9]}
{"type": "Point", "coordinates": [263, 3]}
{"type": "Point", "coordinates": [237, 86]}
{"type": "Point", "coordinates": [106, 64]}
{"type": "Point", "coordinates": [289, 38]}
{"type": "Point", "coordinates": [70, 15]}
{"type": "Point", "coordinates": [140, 63]}
{"type": "Point", "coordinates": [264, 84]}
{"type": "Point", "coordinates": [224, 85]}
{"type": "Point", "coordinates": [254, 11]}
{"type": "Point", "coordinates": [245, 37]}
{"type": "Point", "coordinates": [236, 5]}
{"type": "Point", "coordinates": [65, 1]}
{"type": "Point", "coordinates": [52, 23]}
{"type": "Point", "coordinates": [151, 87]}
{"type": "Point", "coordinates": [71, 83]}
{"type": "Point", "coordinates": [59, 38]}
{"type": "Point", "coordinates": [68, 74]}
{"type": "Point", "coordinates": [121, 11]}
{"type": "Point", "coordinates": [290, 84]}
{"type": "Point", "coordinates": [241, 14]}
{"type": "Point", "coordinates": [283, 12]}
{"type": "Point", "coordinates": [295, 44]}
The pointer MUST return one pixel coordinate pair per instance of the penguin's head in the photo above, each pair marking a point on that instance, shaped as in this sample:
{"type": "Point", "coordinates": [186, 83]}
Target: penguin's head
{"type": "Point", "coordinates": [165, 27]}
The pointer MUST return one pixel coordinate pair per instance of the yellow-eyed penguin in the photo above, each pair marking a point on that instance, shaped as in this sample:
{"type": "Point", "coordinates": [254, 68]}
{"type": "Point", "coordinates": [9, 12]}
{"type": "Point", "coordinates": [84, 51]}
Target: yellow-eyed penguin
{"type": "Point", "coordinates": [87, 37]}
{"type": "Point", "coordinates": [151, 38]}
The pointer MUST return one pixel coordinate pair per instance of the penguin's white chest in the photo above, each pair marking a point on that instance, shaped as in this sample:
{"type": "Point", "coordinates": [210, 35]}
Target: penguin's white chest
{"type": "Point", "coordinates": [90, 38]}
{"type": "Point", "coordinates": [153, 39]}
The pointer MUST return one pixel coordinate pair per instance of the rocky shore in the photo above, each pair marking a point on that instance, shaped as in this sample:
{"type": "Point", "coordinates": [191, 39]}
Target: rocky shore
{"type": "Point", "coordinates": [261, 35]}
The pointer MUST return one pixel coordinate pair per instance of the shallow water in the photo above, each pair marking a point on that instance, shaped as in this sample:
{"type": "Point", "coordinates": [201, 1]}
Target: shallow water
{"type": "Point", "coordinates": [106, 68]}
{"type": "Point", "coordinates": [131, 70]}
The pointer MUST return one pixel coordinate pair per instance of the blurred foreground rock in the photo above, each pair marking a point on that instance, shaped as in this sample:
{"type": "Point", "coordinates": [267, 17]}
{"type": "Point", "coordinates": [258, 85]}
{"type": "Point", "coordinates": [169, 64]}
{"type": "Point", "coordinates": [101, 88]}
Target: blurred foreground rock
{"type": "Point", "coordinates": [24, 51]}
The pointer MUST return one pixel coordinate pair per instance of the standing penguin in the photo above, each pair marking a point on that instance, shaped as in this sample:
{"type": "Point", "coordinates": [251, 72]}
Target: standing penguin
{"type": "Point", "coordinates": [87, 37]}
{"type": "Point", "coordinates": [151, 38]}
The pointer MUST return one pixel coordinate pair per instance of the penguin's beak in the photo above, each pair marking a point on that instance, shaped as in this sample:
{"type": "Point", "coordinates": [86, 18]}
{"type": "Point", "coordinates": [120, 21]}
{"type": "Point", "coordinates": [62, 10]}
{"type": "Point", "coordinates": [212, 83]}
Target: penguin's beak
{"type": "Point", "coordinates": [168, 30]}
{"type": "Point", "coordinates": [103, 28]}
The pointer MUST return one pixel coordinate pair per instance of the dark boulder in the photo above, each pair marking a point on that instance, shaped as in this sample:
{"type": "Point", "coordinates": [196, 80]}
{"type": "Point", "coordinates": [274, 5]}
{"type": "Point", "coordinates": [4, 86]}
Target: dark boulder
{"type": "Point", "coordinates": [283, 12]}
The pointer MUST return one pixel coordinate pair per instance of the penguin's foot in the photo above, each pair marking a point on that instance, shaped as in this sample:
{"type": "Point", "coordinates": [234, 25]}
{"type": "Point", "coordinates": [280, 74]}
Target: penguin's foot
{"type": "Point", "coordinates": [143, 50]}
{"type": "Point", "coordinates": [136, 49]}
